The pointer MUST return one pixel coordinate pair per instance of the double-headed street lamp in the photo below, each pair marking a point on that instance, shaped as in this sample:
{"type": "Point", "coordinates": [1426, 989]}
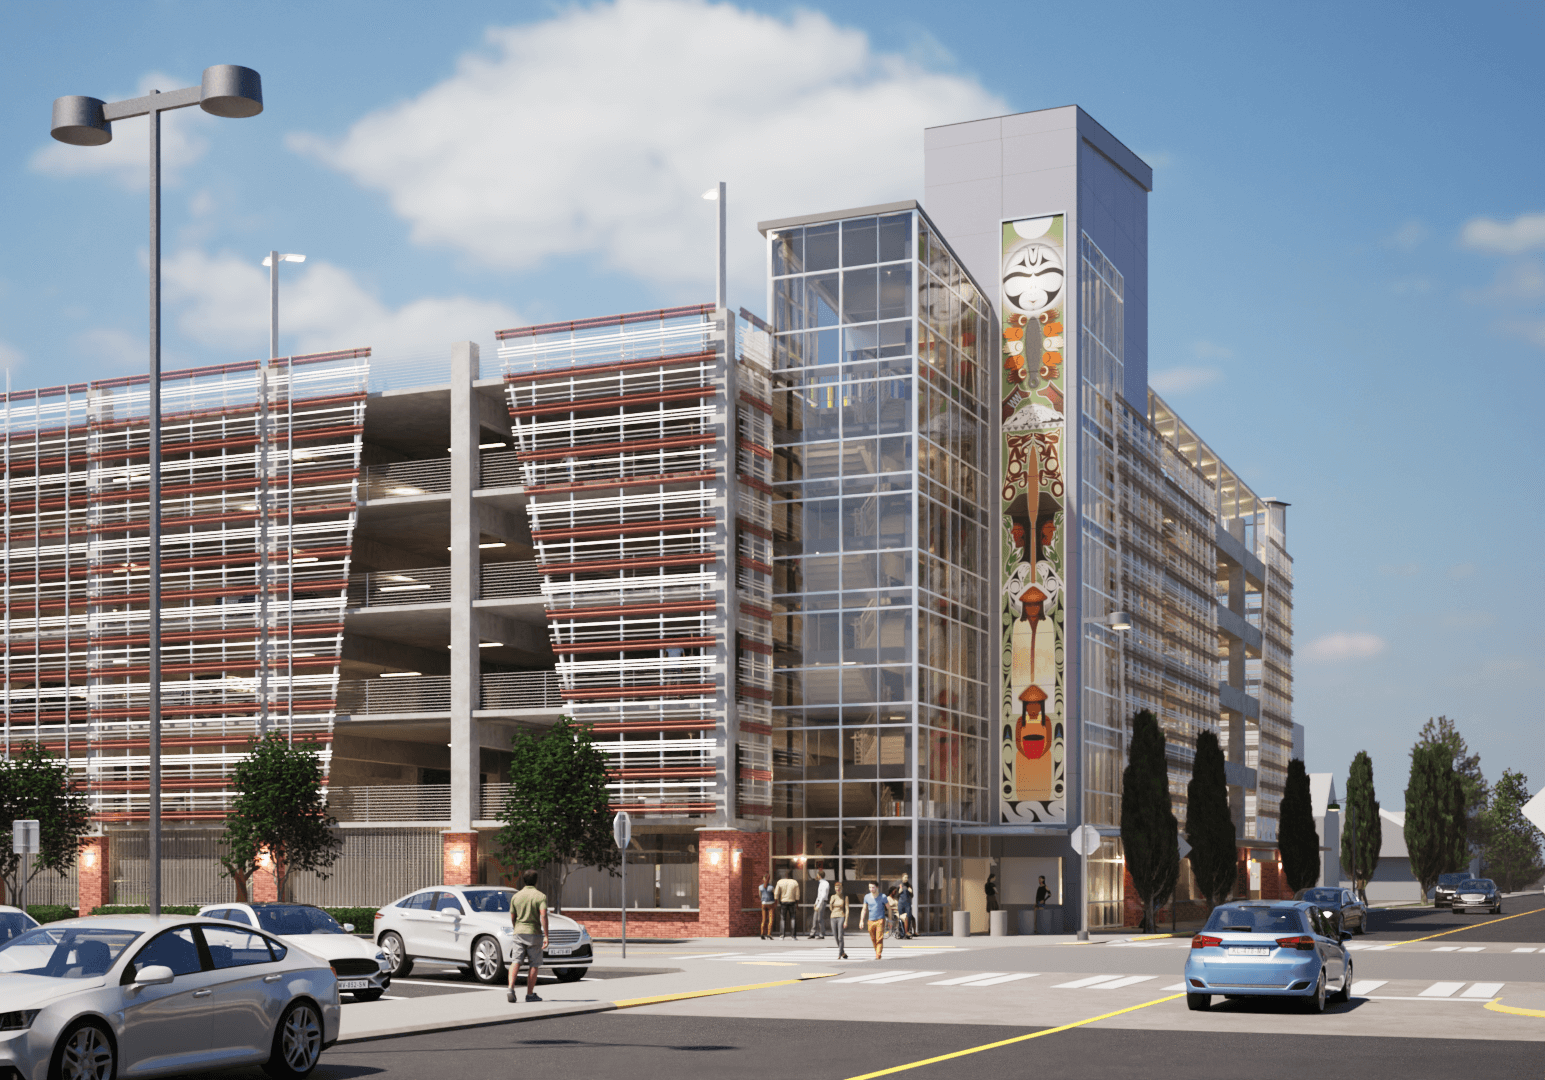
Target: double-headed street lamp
{"type": "Point", "coordinates": [226, 90]}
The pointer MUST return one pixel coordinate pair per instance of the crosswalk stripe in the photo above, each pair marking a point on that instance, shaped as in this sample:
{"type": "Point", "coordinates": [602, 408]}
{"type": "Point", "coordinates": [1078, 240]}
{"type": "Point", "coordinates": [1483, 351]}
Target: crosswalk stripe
{"type": "Point", "coordinates": [962, 980]}
{"type": "Point", "coordinates": [1001, 979]}
{"type": "Point", "coordinates": [901, 977]}
{"type": "Point", "coordinates": [1130, 980]}
{"type": "Point", "coordinates": [867, 976]}
{"type": "Point", "coordinates": [1364, 987]}
{"type": "Point", "coordinates": [1173, 989]}
{"type": "Point", "coordinates": [1483, 990]}
{"type": "Point", "coordinates": [1441, 990]}
{"type": "Point", "coordinates": [1474, 948]}
{"type": "Point", "coordinates": [1523, 950]}
{"type": "Point", "coordinates": [1088, 981]}
{"type": "Point", "coordinates": [1446, 948]}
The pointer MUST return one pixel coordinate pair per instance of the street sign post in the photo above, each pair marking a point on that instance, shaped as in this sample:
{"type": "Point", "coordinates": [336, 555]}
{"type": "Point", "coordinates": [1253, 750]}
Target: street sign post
{"type": "Point", "coordinates": [24, 841]}
{"type": "Point", "coordinates": [622, 832]}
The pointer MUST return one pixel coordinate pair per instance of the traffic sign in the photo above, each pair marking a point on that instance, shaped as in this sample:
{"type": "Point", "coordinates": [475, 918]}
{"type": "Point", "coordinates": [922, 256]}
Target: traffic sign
{"type": "Point", "coordinates": [1085, 839]}
{"type": "Point", "coordinates": [24, 837]}
{"type": "Point", "coordinates": [1185, 848]}
{"type": "Point", "coordinates": [1534, 810]}
{"type": "Point", "coordinates": [622, 829]}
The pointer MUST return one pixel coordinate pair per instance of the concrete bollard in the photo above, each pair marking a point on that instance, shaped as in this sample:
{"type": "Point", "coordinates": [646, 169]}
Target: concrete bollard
{"type": "Point", "coordinates": [962, 924]}
{"type": "Point", "coordinates": [998, 924]}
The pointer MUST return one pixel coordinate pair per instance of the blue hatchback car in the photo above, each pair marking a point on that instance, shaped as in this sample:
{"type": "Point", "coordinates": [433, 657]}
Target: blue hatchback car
{"type": "Point", "coordinates": [1260, 948]}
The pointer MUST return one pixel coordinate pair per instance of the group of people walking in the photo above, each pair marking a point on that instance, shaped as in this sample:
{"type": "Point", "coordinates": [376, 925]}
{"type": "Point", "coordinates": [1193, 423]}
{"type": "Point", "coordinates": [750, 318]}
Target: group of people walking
{"type": "Point", "coordinates": [877, 911]}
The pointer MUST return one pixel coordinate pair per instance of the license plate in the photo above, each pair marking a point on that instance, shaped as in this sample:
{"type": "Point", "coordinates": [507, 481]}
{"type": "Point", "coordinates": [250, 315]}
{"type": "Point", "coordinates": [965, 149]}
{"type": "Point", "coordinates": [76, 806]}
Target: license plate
{"type": "Point", "coordinates": [354, 984]}
{"type": "Point", "coordinates": [559, 951]}
{"type": "Point", "coordinates": [1238, 951]}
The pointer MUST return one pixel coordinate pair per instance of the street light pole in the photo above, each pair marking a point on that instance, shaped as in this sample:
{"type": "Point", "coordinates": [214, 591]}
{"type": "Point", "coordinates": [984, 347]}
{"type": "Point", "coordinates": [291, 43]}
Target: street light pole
{"type": "Point", "coordinates": [265, 443]}
{"type": "Point", "coordinates": [226, 90]}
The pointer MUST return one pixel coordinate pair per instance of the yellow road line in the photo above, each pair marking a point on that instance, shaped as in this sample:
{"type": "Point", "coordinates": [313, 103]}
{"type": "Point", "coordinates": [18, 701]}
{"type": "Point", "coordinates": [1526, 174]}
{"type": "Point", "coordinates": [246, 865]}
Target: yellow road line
{"type": "Point", "coordinates": [1472, 926]}
{"type": "Point", "coordinates": [1495, 1005]}
{"type": "Point", "coordinates": [1011, 1042]}
{"type": "Point", "coordinates": [633, 1003]}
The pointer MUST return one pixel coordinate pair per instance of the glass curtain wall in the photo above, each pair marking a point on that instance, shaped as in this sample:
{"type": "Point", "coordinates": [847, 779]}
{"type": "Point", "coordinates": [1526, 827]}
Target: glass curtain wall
{"type": "Point", "coordinates": [879, 558]}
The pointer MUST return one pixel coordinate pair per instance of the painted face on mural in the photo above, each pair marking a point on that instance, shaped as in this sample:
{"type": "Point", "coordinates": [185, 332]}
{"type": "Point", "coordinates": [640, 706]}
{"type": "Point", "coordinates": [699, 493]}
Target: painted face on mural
{"type": "Point", "coordinates": [1033, 278]}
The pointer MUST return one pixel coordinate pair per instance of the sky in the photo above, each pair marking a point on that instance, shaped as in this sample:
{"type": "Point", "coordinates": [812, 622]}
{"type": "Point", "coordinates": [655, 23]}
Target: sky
{"type": "Point", "coordinates": [1347, 241]}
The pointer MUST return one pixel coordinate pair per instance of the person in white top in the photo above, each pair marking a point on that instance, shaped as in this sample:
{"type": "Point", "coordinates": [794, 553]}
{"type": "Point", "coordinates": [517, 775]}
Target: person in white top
{"type": "Point", "coordinates": [823, 893]}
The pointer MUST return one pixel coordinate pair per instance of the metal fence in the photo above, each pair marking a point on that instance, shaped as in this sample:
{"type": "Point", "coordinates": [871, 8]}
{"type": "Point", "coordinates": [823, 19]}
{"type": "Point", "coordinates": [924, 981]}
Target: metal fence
{"type": "Point", "coordinates": [500, 468]}
{"type": "Point", "coordinates": [432, 693]}
{"type": "Point", "coordinates": [408, 802]}
{"type": "Point", "coordinates": [402, 478]}
{"type": "Point", "coordinates": [383, 588]}
{"type": "Point", "coordinates": [376, 866]}
{"type": "Point", "coordinates": [522, 690]}
{"type": "Point", "coordinates": [507, 579]}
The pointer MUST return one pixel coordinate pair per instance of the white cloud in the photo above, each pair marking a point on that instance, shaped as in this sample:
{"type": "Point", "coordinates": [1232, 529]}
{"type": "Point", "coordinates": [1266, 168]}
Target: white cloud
{"type": "Point", "coordinates": [116, 348]}
{"type": "Point", "coordinates": [1524, 233]}
{"type": "Point", "coordinates": [1179, 380]}
{"type": "Point", "coordinates": [223, 299]}
{"type": "Point", "coordinates": [596, 131]}
{"type": "Point", "coordinates": [1343, 645]}
{"type": "Point", "coordinates": [126, 158]}
{"type": "Point", "coordinates": [10, 358]}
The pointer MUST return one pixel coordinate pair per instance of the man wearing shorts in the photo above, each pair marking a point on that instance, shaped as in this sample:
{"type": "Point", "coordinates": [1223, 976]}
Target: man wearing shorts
{"type": "Point", "coordinates": [528, 911]}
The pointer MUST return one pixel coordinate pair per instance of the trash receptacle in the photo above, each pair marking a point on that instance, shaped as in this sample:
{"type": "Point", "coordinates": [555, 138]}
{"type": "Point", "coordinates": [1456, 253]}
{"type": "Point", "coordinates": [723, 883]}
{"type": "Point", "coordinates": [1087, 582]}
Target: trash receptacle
{"type": "Point", "coordinates": [962, 924]}
{"type": "Point", "coordinates": [998, 924]}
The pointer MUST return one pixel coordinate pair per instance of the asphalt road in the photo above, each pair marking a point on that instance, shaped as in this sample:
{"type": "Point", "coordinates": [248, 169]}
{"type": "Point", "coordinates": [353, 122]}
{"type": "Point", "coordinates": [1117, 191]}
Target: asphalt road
{"type": "Point", "coordinates": [1403, 924]}
{"type": "Point", "coordinates": [627, 1046]}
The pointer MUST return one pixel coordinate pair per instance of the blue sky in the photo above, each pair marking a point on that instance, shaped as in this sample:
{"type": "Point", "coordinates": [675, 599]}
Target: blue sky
{"type": "Point", "coordinates": [1346, 235]}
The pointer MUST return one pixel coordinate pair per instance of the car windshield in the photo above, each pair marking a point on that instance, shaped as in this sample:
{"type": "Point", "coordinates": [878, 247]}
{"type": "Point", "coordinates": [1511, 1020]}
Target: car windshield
{"type": "Point", "coordinates": [65, 952]}
{"type": "Point", "coordinates": [296, 919]}
{"type": "Point", "coordinates": [488, 899]}
{"type": "Point", "coordinates": [1257, 920]}
{"type": "Point", "coordinates": [14, 923]}
{"type": "Point", "coordinates": [1448, 881]}
{"type": "Point", "coordinates": [1323, 896]}
{"type": "Point", "coordinates": [1476, 885]}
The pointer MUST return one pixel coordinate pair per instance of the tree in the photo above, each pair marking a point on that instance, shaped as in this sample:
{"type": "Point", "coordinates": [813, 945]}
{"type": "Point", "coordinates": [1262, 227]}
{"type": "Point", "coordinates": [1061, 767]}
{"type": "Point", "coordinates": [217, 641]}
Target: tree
{"type": "Point", "coordinates": [1360, 818]}
{"type": "Point", "coordinates": [557, 812]}
{"type": "Point", "coordinates": [35, 785]}
{"type": "Point", "coordinates": [279, 814]}
{"type": "Point", "coordinates": [1209, 824]}
{"type": "Point", "coordinates": [1297, 838]}
{"type": "Point", "coordinates": [1512, 843]}
{"type": "Point", "coordinates": [1435, 814]}
{"type": "Point", "coordinates": [1149, 832]}
{"type": "Point", "coordinates": [1445, 732]}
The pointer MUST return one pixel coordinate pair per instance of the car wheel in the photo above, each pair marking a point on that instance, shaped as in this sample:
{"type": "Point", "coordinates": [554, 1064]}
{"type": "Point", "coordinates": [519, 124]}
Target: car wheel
{"type": "Point", "coordinates": [401, 964]}
{"type": "Point", "coordinates": [569, 974]}
{"type": "Point", "coordinates": [297, 1043]}
{"type": "Point", "coordinates": [368, 995]}
{"type": "Point", "coordinates": [1315, 1002]}
{"type": "Point", "coordinates": [84, 1052]}
{"type": "Point", "coordinates": [1497, 910]}
{"type": "Point", "coordinates": [487, 961]}
{"type": "Point", "coordinates": [1344, 995]}
{"type": "Point", "coordinates": [1198, 1002]}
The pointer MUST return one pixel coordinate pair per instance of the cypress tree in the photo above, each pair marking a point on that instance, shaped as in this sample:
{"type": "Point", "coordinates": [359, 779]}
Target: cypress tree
{"type": "Point", "coordinates": [1297, 838]}
{"type": "Point", "coordinates": [1209, 825]}
{"type": "Point", "coordinates": [1360, 816]}
{"type": "Point", "coordinates": [1149, 832]}
{"type": "Point", "coordinates": [1435, 826]}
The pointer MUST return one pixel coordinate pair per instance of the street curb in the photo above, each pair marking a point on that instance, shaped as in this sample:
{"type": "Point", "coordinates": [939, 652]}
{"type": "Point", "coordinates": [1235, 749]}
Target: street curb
{"type": "Point", "coordinates": [1495, 1005]}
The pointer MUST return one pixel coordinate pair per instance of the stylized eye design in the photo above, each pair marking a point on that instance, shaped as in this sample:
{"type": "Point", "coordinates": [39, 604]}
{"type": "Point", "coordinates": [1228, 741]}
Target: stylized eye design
{"type": "Point", "coordinates": [1032, 278]}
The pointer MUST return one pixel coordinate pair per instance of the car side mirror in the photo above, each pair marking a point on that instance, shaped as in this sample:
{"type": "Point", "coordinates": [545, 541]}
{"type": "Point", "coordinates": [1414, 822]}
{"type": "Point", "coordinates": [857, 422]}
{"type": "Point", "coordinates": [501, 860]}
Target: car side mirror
{"type": "Point", "coordinates": [154, 975]}
{"type": "Point", "coordinates": [1346, 935]}
{"type": "Point", "coordinates": [348, 928]}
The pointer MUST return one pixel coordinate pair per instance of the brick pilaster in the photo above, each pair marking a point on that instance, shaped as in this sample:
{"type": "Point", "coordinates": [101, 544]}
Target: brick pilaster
{"type": "Point", "coordinates": [729, 864]}
{"type": "Point", "coordinates": [459, 857]}
{"type": "Point", "coordinates": [264, 883]}
{"type": "Point", "coordinates": [94, 872]}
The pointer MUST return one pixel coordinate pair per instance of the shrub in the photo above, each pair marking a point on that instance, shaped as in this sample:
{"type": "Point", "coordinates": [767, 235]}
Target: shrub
{"type": "Point", "coordinates": [363, 918]}
{"type": "Point", "coordinates": [50, 912]}
{"type": "Point", "coordinates": [143, 909]}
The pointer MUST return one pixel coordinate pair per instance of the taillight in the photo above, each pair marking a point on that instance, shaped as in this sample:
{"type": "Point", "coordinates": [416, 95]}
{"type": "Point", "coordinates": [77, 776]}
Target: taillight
{"type": "Point", "coordinates": [1303, 943]}
{"type": "Point", "coordinates": [1202, 941]}
{"type": "Point", "coordinates": [378, 914]}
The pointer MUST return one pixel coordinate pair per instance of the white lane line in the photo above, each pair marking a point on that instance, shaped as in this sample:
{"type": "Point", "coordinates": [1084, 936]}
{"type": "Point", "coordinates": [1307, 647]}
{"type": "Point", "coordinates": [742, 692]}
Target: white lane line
{"type": "Point", "coordinates": [1380, 948]}
{"type": "Point", "coordinates": [902, 976]}
{"type": "Point", "coordinates": [1173, 989]}
{"type": "Point", "coordinates": [1130, 980]}
{"type": "Point", "coordinates": [1483, 990]}
{"type": "Point", "coordinates": [1001, 979]}
{"type": "Point", "coordinates": [1523, 950]}
{"type": "Point", "coordinates": [1446, 948]}
{"type": "Point", "coordinates": [1440, 990]}
{"type": "Point", "coordinates": [1089, 981]}
{"type": "Point", "coordinates": [962, 980]}
{"type": "Point", "coordinates": [1474, 948]}
{"type": "Point", "coordinates": [886, 976]}
{"type": "Point", "coordinates": [1364, 987]}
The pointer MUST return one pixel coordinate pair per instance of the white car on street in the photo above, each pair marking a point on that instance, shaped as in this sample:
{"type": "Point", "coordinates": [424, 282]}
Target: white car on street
{"type": "Point", "coordinates": [361, 967]}
{"type": "Point", "coordinates": [470, 924]}
{"type": "Point", "coordinates": [145, 995]}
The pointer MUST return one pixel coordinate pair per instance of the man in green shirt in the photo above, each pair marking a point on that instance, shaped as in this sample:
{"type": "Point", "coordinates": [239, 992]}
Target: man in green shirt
{"type": "Point", "coordinates": [528, 911]}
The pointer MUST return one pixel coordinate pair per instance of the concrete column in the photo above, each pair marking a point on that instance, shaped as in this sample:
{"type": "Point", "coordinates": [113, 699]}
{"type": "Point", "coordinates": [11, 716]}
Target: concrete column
{"type": "Point", "coordinates": [725, 503]}
{"type": "Point", "coordinates": [95, 875]}
{"type": "Point", "coordinates": [466, 666]}
{"type": "Point", "coordinates": [460, 857]}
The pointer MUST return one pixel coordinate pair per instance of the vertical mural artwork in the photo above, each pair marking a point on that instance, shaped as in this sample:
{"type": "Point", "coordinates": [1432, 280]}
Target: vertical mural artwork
{"type": "Point", "coordinates": [1032, 535]}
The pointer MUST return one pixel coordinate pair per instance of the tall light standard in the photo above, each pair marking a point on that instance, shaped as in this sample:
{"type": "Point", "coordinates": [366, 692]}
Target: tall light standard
{"type": "Point", "coordinates": [265, 440]}
{"type": "Point", "coordinates": [1086, 838]}
{"type": "Point", "coordinates": [226, 90]}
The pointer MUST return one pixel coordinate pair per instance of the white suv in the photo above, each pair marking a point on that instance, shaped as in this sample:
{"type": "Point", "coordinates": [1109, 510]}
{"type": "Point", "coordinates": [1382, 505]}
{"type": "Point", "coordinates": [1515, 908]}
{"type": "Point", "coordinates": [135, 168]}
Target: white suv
{"type": "Point", "coordinates": [470, 924]}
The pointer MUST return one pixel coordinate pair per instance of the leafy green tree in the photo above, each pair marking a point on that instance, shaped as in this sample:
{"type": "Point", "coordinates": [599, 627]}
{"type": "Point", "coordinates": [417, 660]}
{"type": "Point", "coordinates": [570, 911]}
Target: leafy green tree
{"type": "Point", "coordinates": [35, 785]}
{"type": "Point", "coordinates": [1435, 814]}
{"type": "Point", "coordinates": [1209, 824]}
{"type": "Point", "coordinates": [1297, 838]}
{"type": "Point", "coordinates": [1360, 818]}
{"type": "Point", "coordinates": [1444, 732]}
{"type": "Point", "coordinates": [557, 814]}
{"type": "Point", "coordinates": [1150, 835]}
{"type": "Point", "coordinates": [1512, 843]}
{"type": "Point", "coordinates": [280, 812]}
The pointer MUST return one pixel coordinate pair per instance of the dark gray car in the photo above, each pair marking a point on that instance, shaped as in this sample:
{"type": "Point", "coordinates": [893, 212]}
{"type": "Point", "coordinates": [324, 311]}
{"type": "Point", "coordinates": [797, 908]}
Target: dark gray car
{"type": "Point", "coordinates": [1341, 905]}
{"type": "Point", "coordinates": [1443, 892]}
{"type": "Point", "coordinates": [1477, 894]}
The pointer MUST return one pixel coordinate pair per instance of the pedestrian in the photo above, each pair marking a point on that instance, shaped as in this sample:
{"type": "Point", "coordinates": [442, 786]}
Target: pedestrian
{"type": "Point", "coordinates": [876, 906]}
{"type": "Point", "coordinates": [528, 911]}
{"type": "Point", "coordinates": [769, 905]}
{"type": "Point", "coordinates": [818, 914]}
{"type": "Point", "coordinates": [1042, 894]}
{"type": "Point", "coordinates": [904, 894]}
{"type": "Point", "coordinates": [787, 894]}
{"type": "Point", "coordinates": [991, 889]}
{"type": "Point", "coordinates": [838, 912]}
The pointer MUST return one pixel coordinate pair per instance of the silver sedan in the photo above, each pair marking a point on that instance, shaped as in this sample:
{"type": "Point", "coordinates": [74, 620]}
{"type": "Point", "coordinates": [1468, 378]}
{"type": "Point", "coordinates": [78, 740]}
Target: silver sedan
{"type": "Point", "coordinates": [142, 995]}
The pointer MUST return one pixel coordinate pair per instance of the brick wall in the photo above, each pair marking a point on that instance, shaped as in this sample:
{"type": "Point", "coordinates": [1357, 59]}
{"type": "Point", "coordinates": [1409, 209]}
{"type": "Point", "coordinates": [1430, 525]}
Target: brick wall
{"type": "Point", "coordinates": [94, 873]}
{"type": "Point", "coordinates": [459, 858]}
